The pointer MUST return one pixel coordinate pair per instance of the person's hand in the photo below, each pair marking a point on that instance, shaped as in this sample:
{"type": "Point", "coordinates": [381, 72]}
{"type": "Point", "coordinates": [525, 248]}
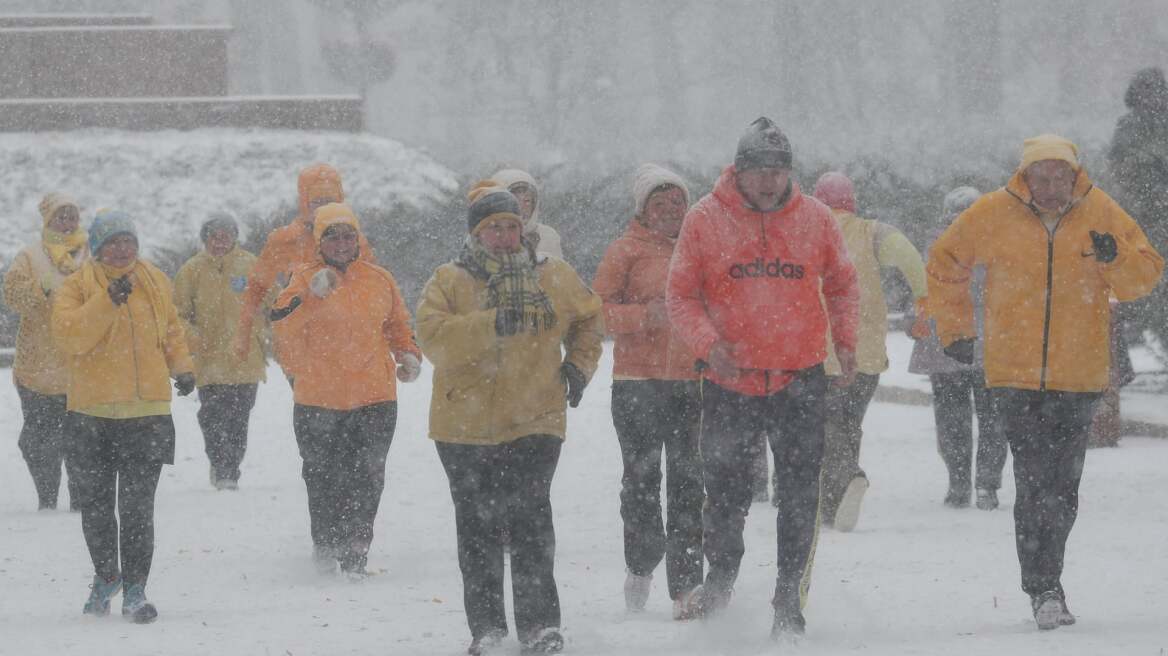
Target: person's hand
{"type": "Point", "coordinates": [657, 313]}
{"type": "Point", "coordinates": [119, 289]}
{"type": "Point", "coordinates": [323, 282]}
{"type": "Point", "coordinates": [848, 367]}
{"type": "Point", "coordinates": [574, 379]}
{"type": "Point", "coordinates": [920, 328]}
{"type": "Point", "coordinates": [408, 367]}
{"type": "Point", "coordinates": [961, 350]}
{"type": "Point", "coordinates": [1106, 250]}
{"type": "Point", "coordinates": [184, 383]}
{"type": "Point", "coordinates": [721, 360]}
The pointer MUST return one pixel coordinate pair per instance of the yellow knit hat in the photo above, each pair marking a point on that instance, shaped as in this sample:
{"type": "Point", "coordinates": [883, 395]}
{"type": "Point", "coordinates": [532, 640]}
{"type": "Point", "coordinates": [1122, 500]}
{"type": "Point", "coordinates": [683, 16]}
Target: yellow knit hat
{"type": "Point", "coordinates": [52, 202]}
{"type": "Point", "coordinates": [1049, 146]}
{"type": "Point", "coordinates": [330, 215]}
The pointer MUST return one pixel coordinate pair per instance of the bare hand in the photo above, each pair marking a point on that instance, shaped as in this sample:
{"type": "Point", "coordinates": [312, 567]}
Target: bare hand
{"type": "Point", "coordinates": [847, 362]}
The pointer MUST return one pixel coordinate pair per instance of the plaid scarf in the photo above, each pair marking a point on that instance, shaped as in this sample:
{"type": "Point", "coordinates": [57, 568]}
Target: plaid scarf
{"type": "Point", "coordinates": [512, 286]}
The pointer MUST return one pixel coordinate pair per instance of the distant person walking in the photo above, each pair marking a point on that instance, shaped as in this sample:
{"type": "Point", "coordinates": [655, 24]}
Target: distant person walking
{"type": "Point", "coordinates": [542, 237]}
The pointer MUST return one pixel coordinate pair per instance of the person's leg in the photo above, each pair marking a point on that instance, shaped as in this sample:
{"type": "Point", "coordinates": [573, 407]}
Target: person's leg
{"type": "Point", "coordinates": [683, 489]}
{"type": "Point", "coordinates": [480, 514]}
{"type": "Point", "coordinates": [40, 442]}
{"type": "Point", "coordinates": [527, 482]}
{"type": "Point", "coordinates": [370, 431]}
{"type": "Point", "coordinates": [638, 411]}
{"type": "Point", "coordinates": [214, 408]}
{"type": "Point", "coordinates": [235, 428]}
{"type": "Point", "coordinates": [139, 469]}
{"type": "Point", "coordinates": [733, 427]}
{"type": "Point", "coordinates": [953, 413]}
{"type": "Point", "coordinates": [316, 430]}
{"type": "Point", "coordinates": [843, 431]}
{"type": "Point", "coordinates": [991, 440]}
{"type": "Point", "coordinates": [93, 453]}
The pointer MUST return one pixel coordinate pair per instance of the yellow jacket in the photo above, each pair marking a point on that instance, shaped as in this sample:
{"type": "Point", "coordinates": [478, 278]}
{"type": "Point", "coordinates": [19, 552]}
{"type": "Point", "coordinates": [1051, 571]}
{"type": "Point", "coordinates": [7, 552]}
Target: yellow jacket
{"type": "Point", "coordinates": [490, 389]}
{"type": "Point", "coordinates": [1046, 297]}
{"type": "Point", "coordinates": [119, 354]}
{"type": "Point", "coordinates": [28, 286]}
{"type": "Point", "coordinates": [208, 294]}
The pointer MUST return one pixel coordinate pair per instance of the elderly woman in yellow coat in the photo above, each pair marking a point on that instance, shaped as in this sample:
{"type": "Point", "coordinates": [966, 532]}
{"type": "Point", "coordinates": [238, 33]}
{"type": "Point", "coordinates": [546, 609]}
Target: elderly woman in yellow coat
{"type": "Point", "coordinates": [39, 370]}
{"type": "Point", "coordinates": [115, 321]}
{"type": "Point", "coordinates": [493, 322]}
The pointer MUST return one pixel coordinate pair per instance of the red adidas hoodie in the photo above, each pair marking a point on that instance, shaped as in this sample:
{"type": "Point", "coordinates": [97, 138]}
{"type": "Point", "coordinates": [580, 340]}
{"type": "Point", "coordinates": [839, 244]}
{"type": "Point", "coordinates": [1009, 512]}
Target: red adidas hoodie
{"type": "Point", "coordinates": [753, 279]}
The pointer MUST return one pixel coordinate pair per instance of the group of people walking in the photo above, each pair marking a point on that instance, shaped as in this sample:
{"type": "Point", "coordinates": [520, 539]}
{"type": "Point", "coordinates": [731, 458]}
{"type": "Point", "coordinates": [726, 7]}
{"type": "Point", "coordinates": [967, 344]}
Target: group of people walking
{"type": "Point", "coordinates": [754, 317]}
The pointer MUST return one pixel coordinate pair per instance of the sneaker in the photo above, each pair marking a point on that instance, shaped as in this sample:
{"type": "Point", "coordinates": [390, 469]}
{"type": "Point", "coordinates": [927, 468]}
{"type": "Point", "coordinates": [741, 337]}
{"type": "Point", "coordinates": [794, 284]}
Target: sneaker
{"type": "Point", "coordinates": [487, 642]}
{"type": "Point", "coordinates": [987, 499]}
{"type": "Point", "coordinates": [1047, 608]}
{"type": "Point", "coordinates": [355, 574]}
{"type": "Point", "coordinates": [135, 607]}
{"type": "Point", "coordinates": [958, 497]}
{"type": "Point", "coordinates": [711, 601]}
{"type": "Point", "coordinates": [789, 626]}
{"type": "Point", "coordinates": [637, 591]}
{"type": "Point", "coordinates": [685, 607]}
{"type": "Point", "coordinates": [546, 641]}
{"type": "Point", "coordinates": [848, 512]}
{"type": "Point", "coordinates": [100, 593]}
{"type": "Point", "coordinates": [1065, 618]}
{"type": "Point", "coordinates": [324, 558]}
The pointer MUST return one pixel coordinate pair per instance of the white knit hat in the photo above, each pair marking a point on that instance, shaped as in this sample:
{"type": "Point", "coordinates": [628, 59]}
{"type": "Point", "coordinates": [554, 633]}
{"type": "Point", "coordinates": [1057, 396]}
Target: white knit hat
{"type": "Point", "coordinates": [651, 176]}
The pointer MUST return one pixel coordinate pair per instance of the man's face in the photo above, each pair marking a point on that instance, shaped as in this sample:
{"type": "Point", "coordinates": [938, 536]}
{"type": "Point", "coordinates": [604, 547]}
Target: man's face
{"type": "Point", "coordinates": [339, 245]}
{"type": "Point", "coordinates": [315, 204]}
{"type": "Point", "coordinates": [665, 211]}
{"type": "Point", "coordinates": [526, 197]}
{"type": "Point", "coordinates": [119, 251]}
{"type": "Point", "coordinates": [65, 220]}
{"type": "Point", "coordinates": [220, 242]}
{"type": "Point", "coordinates": [763, 188]}
{"type": "Point", "coordinates": [1051, 183]}
{"type": "Point", "coordinates": [501, 236]}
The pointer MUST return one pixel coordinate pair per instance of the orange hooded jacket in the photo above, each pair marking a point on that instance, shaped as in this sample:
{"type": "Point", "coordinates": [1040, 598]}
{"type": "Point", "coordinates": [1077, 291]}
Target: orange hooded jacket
{"type": "Point", "coordinates": [341, 349]}
{"type": "Point", "coordinates": [1046, 297]}
{"type": "Point", "coordinates": [290, 247]}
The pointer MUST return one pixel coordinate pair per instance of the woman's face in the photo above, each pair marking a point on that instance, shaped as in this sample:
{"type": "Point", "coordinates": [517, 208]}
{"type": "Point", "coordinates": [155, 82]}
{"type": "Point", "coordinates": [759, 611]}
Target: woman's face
{"type": "Point", "coordinates": [339, 244]}
{"type": "Point", "coordinates": [501, 235]}
{"type": "Point", "coordinates": [220, 242]}
{"type": "Point", "coordinates": [664, 211]}
{"type": "Point", "coordinates": [65, 220]}
{"type": "Point", "coordinates": [526, 197]}
{"type": "Point", "coordinates": [119, 251]}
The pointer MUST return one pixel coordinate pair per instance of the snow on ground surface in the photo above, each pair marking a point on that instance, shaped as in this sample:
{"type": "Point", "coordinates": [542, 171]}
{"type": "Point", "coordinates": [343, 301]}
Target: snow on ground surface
{"type": "Point", "coordinates": [232, 573]}
{"type": "Point", "coordinates": [171, 180]}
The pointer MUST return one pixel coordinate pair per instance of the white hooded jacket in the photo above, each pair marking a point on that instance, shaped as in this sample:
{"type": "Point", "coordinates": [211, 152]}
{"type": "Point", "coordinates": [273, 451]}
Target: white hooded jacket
{"type": "Point", "coordinates": [546, 239]}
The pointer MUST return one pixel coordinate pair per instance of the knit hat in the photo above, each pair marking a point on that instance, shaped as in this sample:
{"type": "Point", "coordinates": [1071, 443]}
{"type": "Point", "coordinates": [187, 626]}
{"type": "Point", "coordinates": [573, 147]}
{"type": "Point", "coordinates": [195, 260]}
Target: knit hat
{"type": "Point", "coordinates": [318, 181]}
{"type": "Point", "coordinates": [763, 145]}
{"type": "Point", "coordinates": [108, 224]}
{"type": "Point", "coordinates": [219, 221]}
{"type": "Point", "coordinates": [836, 190]}
{"type": "Point", "coordinates": [487, 201]}
{"type": "Point", "coordinates": [957, 201]}
{"type": "Point", "coordinates": [650, 178]}
{"type": "Point", "coordinates": [1049, 146]}
{"type": "Point", "coordinates": [52, 202]}
{"type": "Point", "coordinates": [333, 214]}
{"type": "Point", "coordinates": [507, 179]}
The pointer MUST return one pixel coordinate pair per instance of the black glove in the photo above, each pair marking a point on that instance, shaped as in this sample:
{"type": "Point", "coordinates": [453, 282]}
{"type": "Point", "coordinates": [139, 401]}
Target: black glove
{"type": "Point", "coordinates": [184, 383]}
{"type": "Point", "coordinates": [119, 289]}
{"type": "Point", "coordinates": [961, 351]}
{"type": "Point", "coordinates": [1106, 249]}
{"type": "Point", "coordinates": [508, 322]}
{"type": "Point", "coordinates": [575, 381]}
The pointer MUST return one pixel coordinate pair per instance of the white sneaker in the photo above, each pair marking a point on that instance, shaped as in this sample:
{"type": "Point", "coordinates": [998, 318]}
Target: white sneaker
{"type": "Point", "coordinates": [324, 559]}
{"type": "Point", "coordinates": [637, 591]}
{"type": "Point", "coordinates": [848, 513]}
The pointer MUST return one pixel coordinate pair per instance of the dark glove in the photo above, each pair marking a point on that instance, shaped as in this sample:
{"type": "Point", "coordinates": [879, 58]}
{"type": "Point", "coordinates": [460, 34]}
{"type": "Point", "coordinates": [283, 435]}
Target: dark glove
{"type": "Point", "coordinates": [1106, 249]}
{"type": "Point", "coordinates": [961, 351]}
{"type": "Point", "coordinates": [184, 383]}
{"type": "Point", "coordinates": [575, 381]}
{"type": "Point", "coordinates": [508, 322]}
{"type": "Point", "coordinates": [119, 289]}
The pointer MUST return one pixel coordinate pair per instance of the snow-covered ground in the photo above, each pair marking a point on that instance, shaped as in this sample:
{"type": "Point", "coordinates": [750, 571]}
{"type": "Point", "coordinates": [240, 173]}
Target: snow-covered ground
{"type": "Point", "coordinates": [232, 573]}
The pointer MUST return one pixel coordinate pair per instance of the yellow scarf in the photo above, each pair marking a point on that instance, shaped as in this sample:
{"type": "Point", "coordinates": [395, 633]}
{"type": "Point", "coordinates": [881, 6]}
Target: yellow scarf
{"type": "Point", "coordinates": [63, 248]}
{"type": "Point", "coordinates": [102, 274]}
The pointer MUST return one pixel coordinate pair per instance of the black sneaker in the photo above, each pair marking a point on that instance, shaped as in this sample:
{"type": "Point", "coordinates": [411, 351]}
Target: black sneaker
{"type": "Point", "coordinates": [1047, 608]}
{"type": "Point", "coordinates": [957, 497]}
{"type": "Point", "coordinates": [712, 600]}
{"type": "Point", "coordinates": [487, 642]}
{"type": "Point", "coordinates": [546, 641]}
{"type": "Point", "coordinates": [789, 625]}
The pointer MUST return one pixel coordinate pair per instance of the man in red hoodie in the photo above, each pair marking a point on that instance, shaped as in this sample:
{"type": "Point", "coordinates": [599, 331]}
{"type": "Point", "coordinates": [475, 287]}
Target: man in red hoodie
{"type": "Point", "coordinates": [744, 295]}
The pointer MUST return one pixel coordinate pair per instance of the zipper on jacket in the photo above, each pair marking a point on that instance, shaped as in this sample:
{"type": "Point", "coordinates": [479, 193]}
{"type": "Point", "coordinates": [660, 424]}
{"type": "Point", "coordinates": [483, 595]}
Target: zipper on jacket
{"type": "Point", "coordinates": [134, 351]}
{"type": "Point", "coordinates": [1049, 299]}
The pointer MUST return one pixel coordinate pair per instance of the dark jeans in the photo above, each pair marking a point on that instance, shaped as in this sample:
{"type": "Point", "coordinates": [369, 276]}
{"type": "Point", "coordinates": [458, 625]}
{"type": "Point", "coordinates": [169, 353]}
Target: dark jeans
{"type": "Point", "coordinates": [343, 453]}
{"type": "Point", "coordinates": [1047, 432]}
{"type": "Point", "coordinates": [651, 416]}
{"type": "Point", "coordinates": [224, 411]}
{"type": "Point", "coordinates": [953, 414]}
{"type": "Point", "coordinates": [118, 462]}
{"type": "Point", "coordinates": [843, 430]}
{"type": "Point", "coordinates": [732, 428]}
{"type": "Point", "coordinates": [42, 443]}
{"type": "Point", "coordinates": [497, 487]}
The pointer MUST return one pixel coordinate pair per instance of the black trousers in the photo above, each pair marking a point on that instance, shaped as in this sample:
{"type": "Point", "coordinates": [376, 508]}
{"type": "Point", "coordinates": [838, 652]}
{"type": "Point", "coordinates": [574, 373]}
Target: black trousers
{"type": "Point", "coordinates": [1047, 432]}
{"type": "Point", "coordinates": [118, 462]}
{"type": "Point", "coordinates": [843, 431]}
{"type": "Point", "coordinates": [953, 414]}
{"type": "Point", "coordinates": [651, 416]}
{"type": "Point", "coordinates": [343, 454]}
{"type": "Point", "coordinates": [42, 443]}
{"type": "Point", "coordinates": [732, 428]}
{"type": "Point", "coordinates": [224, 411]}
{"type": "Point", "coordinates": [505, 487]}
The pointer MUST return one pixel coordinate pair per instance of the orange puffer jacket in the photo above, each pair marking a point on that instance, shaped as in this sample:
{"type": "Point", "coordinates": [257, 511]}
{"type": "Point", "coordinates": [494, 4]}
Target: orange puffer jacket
{"type": "Point", "coordinates": [753, 279]}
{"type": "Point", "coordinates": [632, 274]}
{"type": "Point", "coordinates": [1046, 297]}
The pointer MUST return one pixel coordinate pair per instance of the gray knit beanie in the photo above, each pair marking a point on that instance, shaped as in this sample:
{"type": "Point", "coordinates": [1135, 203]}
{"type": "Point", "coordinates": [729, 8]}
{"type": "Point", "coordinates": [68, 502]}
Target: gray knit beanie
{"type": "Point", "coordinates": [763, 145]}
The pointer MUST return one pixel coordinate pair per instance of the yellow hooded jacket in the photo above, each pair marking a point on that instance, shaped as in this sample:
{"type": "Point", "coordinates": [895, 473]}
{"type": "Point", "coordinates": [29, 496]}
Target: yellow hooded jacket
{"type": "Point", "coordinates": [119, 355]}
{"type": "Point", "coordinates": [1046, 296]}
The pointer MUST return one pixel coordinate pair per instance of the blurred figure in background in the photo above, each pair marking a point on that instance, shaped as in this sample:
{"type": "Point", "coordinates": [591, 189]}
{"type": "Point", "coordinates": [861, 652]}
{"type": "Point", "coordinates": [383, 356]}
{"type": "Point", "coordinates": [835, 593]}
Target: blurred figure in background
{"type": "Point", "coordinates": [39, 370]}
{"type": "Point", "coordinates": [541, 236]}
